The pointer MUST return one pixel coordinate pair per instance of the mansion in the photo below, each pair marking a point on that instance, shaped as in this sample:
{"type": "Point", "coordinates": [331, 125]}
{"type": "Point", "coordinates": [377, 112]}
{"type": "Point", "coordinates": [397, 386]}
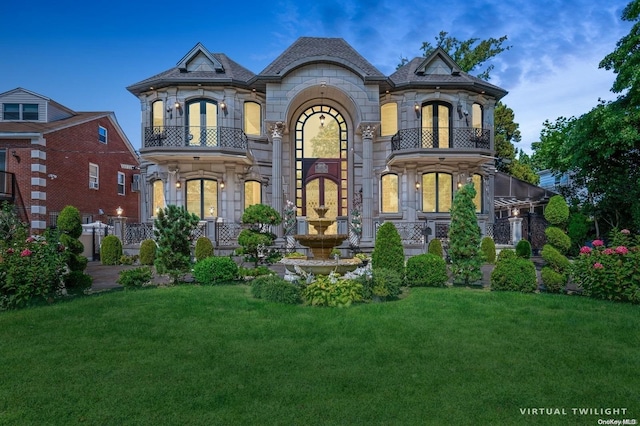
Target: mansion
{"type": "Point", "coordinates": [319, 126]}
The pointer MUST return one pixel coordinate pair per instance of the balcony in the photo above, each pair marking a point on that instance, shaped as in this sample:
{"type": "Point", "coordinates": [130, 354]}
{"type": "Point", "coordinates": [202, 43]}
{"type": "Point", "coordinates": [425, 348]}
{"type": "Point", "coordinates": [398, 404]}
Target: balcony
{"type": "Point", "coordinates": [185, 143]}
{"type": "Point", "coordinates": [425, 146]}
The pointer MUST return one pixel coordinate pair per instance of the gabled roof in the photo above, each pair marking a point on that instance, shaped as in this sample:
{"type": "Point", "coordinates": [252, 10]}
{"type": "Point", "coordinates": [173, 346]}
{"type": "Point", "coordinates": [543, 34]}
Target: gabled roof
{"type": "Point", "coordinates": [52, 126]}
{"type": "Point", "coordinates": [20, 89]}
{"type": "Point", "coordinates": [199, 66]}
{"type": "Point", "coordinates": [310, 50]}
{"type": "Point", "coordinates": [440, 70]}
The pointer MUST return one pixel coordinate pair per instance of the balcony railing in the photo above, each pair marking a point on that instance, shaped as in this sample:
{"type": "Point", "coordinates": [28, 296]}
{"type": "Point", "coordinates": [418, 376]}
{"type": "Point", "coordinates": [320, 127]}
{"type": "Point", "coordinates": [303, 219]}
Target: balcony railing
{"type": "Point", "coordinates": [195, 136]}
{"type": "Point", "coordinates": [458, 138]}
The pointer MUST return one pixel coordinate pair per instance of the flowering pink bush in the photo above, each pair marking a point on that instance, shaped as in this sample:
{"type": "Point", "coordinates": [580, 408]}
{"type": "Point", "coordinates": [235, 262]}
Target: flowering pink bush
{"type": "Point", "coordinates": [611, 273]}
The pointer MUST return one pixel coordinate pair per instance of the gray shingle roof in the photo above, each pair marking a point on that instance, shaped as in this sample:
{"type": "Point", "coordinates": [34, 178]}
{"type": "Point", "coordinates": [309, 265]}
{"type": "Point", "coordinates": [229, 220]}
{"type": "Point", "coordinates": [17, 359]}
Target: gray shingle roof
{"type": "Point", "coordinates": [307, 50]}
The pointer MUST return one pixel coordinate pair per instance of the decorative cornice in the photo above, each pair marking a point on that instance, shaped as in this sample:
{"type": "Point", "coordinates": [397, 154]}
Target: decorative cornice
{"type": "Point", "coordinates": [368, 130]}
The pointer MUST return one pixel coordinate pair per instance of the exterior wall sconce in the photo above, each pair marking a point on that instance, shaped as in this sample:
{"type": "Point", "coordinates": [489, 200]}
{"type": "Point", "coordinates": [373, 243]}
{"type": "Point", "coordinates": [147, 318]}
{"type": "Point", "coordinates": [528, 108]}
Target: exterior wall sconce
{"type": "Point", "coordinates": [178, 184]}
{"type": "Point", "coordinates": [417, 185]}
{"type": "Point", "coordinates": [119, 211]}
{"type": "Point", "coordinates": [221, 184]}
{"type": "Point", "coordinates": [223, 105]}
{"type": "Point", "coordinates": [16, 156]}
{"type": "Point", "coordinates": [416, 108]}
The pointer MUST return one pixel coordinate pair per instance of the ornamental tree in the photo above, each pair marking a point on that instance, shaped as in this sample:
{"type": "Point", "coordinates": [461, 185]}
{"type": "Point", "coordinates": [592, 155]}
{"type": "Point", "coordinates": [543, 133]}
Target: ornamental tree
{"type": "Point", "coordinates": [555, 274]}
{"type": "Point", "coordinates": [256, 239]}
{"type": "Point", "coordinates": [464, 238]}
{"type": "Point", "coordinates": [173, 229]}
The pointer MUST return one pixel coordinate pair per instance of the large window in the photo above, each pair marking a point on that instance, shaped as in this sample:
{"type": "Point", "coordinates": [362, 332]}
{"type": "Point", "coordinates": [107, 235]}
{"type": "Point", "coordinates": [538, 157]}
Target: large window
{"type": "Point", "coordinates": [252, 118]}
{"type": "Point", "coordinates": [436, 125]}
{"type": "Point", "coordinates": [102, 134]}
{"type": "Point", "coordinates": [477, 117]}
{"type": "Point", "coordinates": [202, 196]}
{"type": "Point", "coordinates": [158, 202]}
{"type": "Point", "coordinates": [94, 176]}
{"type": "Point", "coordinates": [389, 119]}
{"type": "Point", "coordinates": [157, 116]}
{"type": "Point", "coordinates": [252, 193]}
{"type": "Point", "coordinates": [202, 119]}
{"type": "Point", "coordinates": [437, 192]}
{"type": "Point", "coordinates": [389, 193]}
{"type": "Point", "coordinates": [477, 185]}
{"type": "Point", "coordinates": [11, 111]}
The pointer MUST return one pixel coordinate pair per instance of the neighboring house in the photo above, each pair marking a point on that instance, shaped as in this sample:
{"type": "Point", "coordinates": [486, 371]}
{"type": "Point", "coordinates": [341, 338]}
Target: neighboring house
{"type": "Point", "coordinates": [318, 126]}
{"type": "Point", "coordinates": [553, 181]}
{"type": "Point", "coordinates": [52, 156]}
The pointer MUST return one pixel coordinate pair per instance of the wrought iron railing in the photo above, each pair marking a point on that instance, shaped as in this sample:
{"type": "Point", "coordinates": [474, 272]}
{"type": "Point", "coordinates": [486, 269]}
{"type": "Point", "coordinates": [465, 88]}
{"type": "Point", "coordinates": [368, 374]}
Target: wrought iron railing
{"type": "Point", "coordinates": [195, 136]}
{"type": "Point", "coordinates": [428, 138]}
{"type": "Point", "coordinates": [135, 233]}
{"type": "Point", "coordinates": [500, 231]}
{"type": "Point", "coordinates": [227, 233]}
{"type": "Point", "coordinates": [411, 233]}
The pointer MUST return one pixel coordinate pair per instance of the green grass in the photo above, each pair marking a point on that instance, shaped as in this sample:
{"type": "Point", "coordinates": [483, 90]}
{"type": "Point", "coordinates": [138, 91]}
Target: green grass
{"type": "Point", "coordinates": [214, 355]}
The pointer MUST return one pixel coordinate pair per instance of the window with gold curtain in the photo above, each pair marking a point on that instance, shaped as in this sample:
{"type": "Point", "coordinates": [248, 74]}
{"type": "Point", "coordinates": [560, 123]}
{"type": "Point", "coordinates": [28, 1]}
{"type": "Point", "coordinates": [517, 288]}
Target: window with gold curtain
{"type": "Point", "coordinates": [437, 192]}
{"type": "Point", "coordinates": [252, 193]}
{"type": "Point", "coordinates": [389, 119]}
{"type": "Point", "coordinates": [389, 193]}
{"type": "Point", "coordinates": [158, 196]}
{"type": "Point", "coordinates": [477, 185]}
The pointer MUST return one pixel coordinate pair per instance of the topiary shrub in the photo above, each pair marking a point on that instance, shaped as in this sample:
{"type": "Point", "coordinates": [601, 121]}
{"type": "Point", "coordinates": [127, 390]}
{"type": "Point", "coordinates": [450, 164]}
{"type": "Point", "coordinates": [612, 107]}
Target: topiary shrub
{"type": "Point", "coordinates": [275, 289]}
{"type": "Point", "coordinates": [77, 281]}
{"type": "Point", "coordinates": [215, 270]}
{"type": "Point", "coordinates": [110, 250]}
{"type": "Point", "coordinates": [435, 247]}
{"type": "Point", "coordinates": [514, 274]}
{"type": "Point", "coordinates": [426, 270]}
{"type": "Point", "coordinates": [557, 238]}
{"type": "Point", "coordinates": [388, 252]}
{"type": "Point", "coordinates": [147, 252]}
{"type": "Point", "coordinates": [557, 211]}
{"type": "Point", "coordinates": [553, 281]}
{"type": "Point", "coordinates": [386, 283]}
{"type": "Point", "coordinates": [173, 227]}
{"type": "Point", "coordinates": [523, 249]}
{"type": "Point", "coordinates": [69, 224]}
{"type": "Point", "coordinates": [557, 263]}
{"type": "Point", "coordinates": [135, 278]}
{"type": "Point", "coordinates": [256, 239]}
{"type": "Point", "coordinates": [506, 254]}
{"type": "Point", "coordinates": [204, 248]}
{"type": "Point", "coordinates": [488, 247]}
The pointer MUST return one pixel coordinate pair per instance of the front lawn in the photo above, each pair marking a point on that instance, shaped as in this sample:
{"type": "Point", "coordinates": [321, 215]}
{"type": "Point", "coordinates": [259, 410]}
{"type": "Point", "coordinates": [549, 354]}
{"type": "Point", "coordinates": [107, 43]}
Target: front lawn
{"type": "Point", "coordinates": [214, 355]}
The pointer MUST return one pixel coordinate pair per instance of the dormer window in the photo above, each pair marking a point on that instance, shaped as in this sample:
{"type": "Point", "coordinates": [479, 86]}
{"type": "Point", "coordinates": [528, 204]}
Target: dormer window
{"type": "Point", "coordinates": [20, 112]}
{"type": "Point", "coordinates": [102, 134]}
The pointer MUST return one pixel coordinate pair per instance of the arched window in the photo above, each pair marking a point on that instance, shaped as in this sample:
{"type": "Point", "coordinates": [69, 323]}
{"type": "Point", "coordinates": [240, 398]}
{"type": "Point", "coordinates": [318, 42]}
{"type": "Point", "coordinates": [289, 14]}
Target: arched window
{"type": "Point", "coordinates": [477, 185]}
{"type": "Point", "coordinates": [389, 193]}
{"type": "Point", "coordinates": [157, 116]}
{"type": "Point", "coordinates": [202, 121]}
{"type": "Point", "coordinates": [252, 193]}
{"type": "Point", "coordinates": [436, 125]}
{"type": "Point", "coordinates": [252, 118]}
{"type": "Point", "coordinates": [437, 192]}
{"type": "Point", "coordinates": [477, 116]}
{"type": "Point", "coordinates": [389, 119]}
{"type": "Point", "coordinates": [201, 196]}
{"type": "Point", "coordinates": [158, 202]}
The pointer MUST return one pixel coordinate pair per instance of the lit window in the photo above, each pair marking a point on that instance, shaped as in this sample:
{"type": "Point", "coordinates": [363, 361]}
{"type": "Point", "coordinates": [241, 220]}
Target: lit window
{"type": "Point", "coordinates": [158, 196]}
{"type": "Point", "coordinates": [102, 134]}
{"type": "Point", "coordinates": [157, 116]}
{"type": "Point", "coordinates": [437, 192]}
{"type": "Point", "coordinates": [477, 185]}
{"type": "Point", "coordinates": [436, 125]}
{"type": "Point", "coordinates": [252, 193]}
{"type": "Point", "coordinates": [252, 118]}
{"type": "Point", "coordinates": [121, 180]}
{"type": "Point", "coordinates": [93, 176]}
{"type": "Point", "coordinates": [202, 194]}
{"type": "Point", "coordinates": [389, 193]}
{"type": "Point", "coordinates": [389, 119]}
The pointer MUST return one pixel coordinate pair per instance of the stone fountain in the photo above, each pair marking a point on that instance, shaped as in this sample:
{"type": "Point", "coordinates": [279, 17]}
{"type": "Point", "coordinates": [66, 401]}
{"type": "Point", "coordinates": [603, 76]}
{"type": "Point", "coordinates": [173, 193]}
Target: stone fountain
{"type": "Point", "coordinates": [321, 245]}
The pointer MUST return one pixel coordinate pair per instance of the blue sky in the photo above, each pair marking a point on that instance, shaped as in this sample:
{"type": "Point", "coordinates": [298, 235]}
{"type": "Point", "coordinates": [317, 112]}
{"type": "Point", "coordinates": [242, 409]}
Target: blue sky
{"type": "Point", "coordinates": [83, 54]}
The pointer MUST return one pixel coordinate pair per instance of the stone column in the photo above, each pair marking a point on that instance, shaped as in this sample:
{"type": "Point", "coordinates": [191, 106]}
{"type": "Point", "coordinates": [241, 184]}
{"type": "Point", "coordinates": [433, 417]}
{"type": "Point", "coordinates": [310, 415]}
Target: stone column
{"type": "Point", "coordinates": [367, 130]}
{"type": "Point", "coordinates": [276, 130]}
{"type": "Point", "coordinates": [515, 223]}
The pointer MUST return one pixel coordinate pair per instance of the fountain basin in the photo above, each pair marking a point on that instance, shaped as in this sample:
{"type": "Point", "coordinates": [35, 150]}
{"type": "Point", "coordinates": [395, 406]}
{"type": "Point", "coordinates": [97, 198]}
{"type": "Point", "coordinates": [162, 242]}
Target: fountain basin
{"type": "Point", "coordinates": [321, 266]}
{"type": "Point", "coordinates": [321, 245]}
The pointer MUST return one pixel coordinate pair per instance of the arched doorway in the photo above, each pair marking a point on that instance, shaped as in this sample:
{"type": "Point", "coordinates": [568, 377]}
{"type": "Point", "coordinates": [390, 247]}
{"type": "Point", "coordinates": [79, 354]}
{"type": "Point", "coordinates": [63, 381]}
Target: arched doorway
{"type": "Point", "coordinates": [321, 163]}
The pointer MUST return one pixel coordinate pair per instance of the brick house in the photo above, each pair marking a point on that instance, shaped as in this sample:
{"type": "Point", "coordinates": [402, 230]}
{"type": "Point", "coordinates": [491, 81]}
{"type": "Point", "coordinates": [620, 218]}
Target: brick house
{"type": "Point", "coordinates": [52, 156]}
{"type": "Point", "coordinates": [318, 126]}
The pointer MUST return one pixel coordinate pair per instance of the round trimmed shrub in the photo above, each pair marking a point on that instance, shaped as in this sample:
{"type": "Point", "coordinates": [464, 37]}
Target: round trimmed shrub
{"type": "Point", "coordinates": [555, 259]}
{"type": "Point", "coordinates": [147, 252]}
{"type": "Point", "coordinates": [426, 270]}
{"type": "Point", "coordinates": [488, 247]}
{"type": "Point", "coordinates": [69, 222]}
{"type": "Point", "coordinates": [523, 249]}
{"type": "Point", "coordinates": [435, 247]}
{"type": "Point", "coordinates": [506, 254]}
{"type": "Point", "coordinates": [557, 238]}
{"type": "Point", "coordinates": [557, 211]}
{"type": "Point", "coordinates": [514, 274]}
{"type": "Point", "coordinates": [204, 248]}
{"type": "Point", "coordinates": [215, 270]}
{"type": "Point", "coordinates": [386, 283]}
{"type": "Point", "coordinates": [388, 252]}
{"type": "Point", "coordinates": [554, 282]}
{"type": "Point", "coordinates": [110, 250]}
{"type": "Point", "coordinates": [275, 289]}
